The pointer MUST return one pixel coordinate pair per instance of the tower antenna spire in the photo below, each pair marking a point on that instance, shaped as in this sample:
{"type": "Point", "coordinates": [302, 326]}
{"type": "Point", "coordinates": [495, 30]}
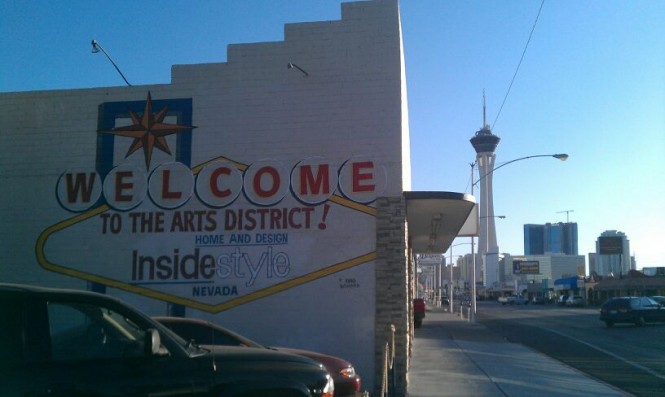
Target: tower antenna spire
{"type": "Point", "coordinates": [484, 110]}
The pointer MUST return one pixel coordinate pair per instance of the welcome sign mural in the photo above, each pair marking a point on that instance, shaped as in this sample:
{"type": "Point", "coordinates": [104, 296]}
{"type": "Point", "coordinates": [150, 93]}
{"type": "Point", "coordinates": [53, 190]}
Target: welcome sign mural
{"type": "Point", "coordinates": [212, 235]}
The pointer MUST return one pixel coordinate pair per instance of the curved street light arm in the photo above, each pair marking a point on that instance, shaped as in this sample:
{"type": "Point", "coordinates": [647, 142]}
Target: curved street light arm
{"type": "Point", "coordinates": [560, 156]}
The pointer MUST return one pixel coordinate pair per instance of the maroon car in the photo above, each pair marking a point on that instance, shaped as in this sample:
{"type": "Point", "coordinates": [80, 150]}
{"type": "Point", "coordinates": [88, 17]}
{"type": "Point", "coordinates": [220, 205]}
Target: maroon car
{"type": "Point", "coordinates": [419, 308]}
{"type": "Point", "coordinates": [347, 382]}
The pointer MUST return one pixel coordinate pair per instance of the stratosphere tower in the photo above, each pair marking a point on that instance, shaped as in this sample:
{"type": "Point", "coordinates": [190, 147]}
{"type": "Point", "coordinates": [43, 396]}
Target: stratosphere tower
{"type": "Point", "coordinates": [485, 143]}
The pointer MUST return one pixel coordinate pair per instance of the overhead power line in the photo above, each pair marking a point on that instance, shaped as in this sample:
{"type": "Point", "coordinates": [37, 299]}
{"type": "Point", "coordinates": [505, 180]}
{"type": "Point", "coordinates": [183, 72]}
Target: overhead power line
{"type": "Point", "coordinates": [519, 64]}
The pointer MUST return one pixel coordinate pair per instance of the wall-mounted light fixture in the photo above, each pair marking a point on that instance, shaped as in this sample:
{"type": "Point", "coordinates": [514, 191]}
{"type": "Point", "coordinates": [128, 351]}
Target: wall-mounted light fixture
{"type": "Point", "coordinates": [96, 47]}
{"type": "Point", "coordinates": [293, 65]}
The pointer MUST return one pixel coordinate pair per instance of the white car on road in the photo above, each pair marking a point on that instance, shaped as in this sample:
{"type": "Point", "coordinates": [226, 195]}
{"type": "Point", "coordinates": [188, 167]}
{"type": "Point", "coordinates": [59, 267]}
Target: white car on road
{"type": "Point", "coordinates": [513, 300]}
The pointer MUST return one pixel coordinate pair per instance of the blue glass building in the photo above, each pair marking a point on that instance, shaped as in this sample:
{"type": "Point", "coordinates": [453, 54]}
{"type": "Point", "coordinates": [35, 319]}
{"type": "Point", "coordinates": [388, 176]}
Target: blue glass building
{"type": "Point", "coordinates": [550, 238]}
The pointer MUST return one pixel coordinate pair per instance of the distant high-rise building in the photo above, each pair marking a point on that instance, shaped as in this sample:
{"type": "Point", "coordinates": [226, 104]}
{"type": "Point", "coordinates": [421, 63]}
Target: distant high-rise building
{"type": "Point", "coordinates": [550, 238]}
{"type": "Point", "coordinates": [592, 263]}
{"type": "Point", "coordinates": [613, 254]}
{"type": "Point", "coordinates": [534, 239]}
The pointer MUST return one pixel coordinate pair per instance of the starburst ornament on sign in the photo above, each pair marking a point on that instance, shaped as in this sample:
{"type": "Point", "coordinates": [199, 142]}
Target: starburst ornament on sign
{"type": "Point", "coordinates": [149, 131]}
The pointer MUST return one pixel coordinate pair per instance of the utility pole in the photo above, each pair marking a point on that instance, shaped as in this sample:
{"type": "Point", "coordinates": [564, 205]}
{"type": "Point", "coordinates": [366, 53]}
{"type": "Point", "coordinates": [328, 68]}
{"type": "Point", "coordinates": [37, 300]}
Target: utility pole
{"type": "Point", "coordinates": [567, 214]}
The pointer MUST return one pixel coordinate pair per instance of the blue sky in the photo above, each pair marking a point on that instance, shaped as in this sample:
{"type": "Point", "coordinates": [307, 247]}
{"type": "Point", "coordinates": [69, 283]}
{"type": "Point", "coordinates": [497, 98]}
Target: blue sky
{"type": "Point", "coordinates": [592, 84]}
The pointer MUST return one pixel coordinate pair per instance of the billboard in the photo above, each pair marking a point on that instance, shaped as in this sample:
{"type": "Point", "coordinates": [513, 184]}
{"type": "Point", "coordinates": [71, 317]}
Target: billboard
{"type": "Point", "coordinates": [610, 245]}
{"type": "Point", "coordinates": [430, 259]}
{"type": "Point", "coordinates": [526, 267]}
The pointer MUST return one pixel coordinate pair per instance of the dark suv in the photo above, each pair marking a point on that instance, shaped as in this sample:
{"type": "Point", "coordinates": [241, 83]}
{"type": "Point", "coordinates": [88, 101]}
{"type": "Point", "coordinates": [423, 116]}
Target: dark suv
{"type": "Point", "coordinates": [631, 309]}
{"type": "Point", "coordinates": [74, 343]}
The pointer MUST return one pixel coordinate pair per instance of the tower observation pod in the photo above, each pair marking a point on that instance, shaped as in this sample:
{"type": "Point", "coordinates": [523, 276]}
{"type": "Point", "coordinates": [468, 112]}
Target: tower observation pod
{"type": "Point", "coordinates": [485, 143]}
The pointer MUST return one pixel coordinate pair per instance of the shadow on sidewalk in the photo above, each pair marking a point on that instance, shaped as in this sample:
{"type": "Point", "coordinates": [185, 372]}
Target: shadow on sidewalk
{"type": "Point", "coordinates": [440, 324]}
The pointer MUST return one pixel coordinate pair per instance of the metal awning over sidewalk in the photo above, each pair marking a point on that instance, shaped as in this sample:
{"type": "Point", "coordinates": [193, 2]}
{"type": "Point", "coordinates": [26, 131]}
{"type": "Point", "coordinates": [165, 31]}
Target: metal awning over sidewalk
{"type": "Point", "coordinates": [436, 218]}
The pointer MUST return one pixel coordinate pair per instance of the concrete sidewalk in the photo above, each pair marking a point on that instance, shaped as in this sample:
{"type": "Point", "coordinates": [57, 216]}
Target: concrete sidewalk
{"type": "Point", "coordinates": [453, 357]}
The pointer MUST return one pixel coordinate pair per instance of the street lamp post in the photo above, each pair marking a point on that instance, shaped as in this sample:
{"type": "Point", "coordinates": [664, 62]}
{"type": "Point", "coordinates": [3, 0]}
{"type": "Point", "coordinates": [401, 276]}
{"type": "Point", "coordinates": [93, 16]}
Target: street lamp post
{"type": "Point", "coordinates": [559, 156]}
{"type": "Point", "coordinates": [450, 295]}
{"type": "Point", "coordinates": [451, 274]}
{"type": "Point", "coordinates": [472, 317]}
{"type": "Point", "coordinates": [451, 281]}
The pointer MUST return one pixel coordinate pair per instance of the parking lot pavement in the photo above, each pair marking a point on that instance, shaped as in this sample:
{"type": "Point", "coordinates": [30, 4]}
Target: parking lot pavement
{"type": "Point", "coordinates": [454, 357]}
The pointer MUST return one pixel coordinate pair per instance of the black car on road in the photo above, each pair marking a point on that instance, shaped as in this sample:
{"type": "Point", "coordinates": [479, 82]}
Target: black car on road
{"type": "Point", "coordinates": [631, 309]}
{"type": "Point", "coordinates": [62, 343]}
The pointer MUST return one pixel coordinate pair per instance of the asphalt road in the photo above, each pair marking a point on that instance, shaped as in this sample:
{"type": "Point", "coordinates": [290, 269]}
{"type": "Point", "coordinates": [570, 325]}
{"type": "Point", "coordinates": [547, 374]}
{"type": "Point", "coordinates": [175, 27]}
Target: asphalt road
{"type": "Point", "coordinates": [628, 357]}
